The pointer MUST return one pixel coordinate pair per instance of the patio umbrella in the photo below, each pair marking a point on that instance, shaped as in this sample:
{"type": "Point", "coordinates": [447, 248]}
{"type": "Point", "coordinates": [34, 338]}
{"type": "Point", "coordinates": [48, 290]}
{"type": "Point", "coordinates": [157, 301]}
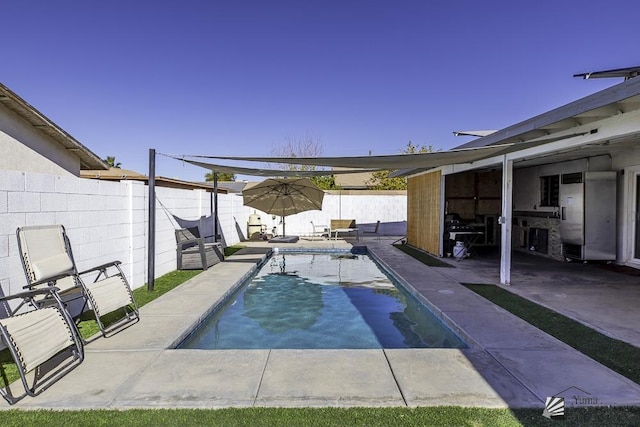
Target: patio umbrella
{"type": "Point", "coordinates": [284, 197]}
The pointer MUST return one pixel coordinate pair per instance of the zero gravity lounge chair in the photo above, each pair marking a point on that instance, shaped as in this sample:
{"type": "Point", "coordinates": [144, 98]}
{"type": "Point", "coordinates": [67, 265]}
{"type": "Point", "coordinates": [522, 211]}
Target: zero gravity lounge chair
{"type": "Point", "coordinates": [48, 261]}
{"type": "Point", "coordinates": [44, 342]}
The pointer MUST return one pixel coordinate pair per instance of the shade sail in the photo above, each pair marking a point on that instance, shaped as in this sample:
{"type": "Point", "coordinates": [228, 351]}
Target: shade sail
{"type": "Point", "coordinates": [505, 149]}
{"type": "Point", "coordinates": [270, 172]}
{"type": "Point", "coordinates": [405, 164]}
{"type": "Point", "coordinates": [399, 161]}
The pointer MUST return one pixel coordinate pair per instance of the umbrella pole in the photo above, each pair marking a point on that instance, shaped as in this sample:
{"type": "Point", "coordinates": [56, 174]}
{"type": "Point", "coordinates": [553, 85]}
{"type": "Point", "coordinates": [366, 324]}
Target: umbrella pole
{"type": "Point", "coordinates": [284, 233]}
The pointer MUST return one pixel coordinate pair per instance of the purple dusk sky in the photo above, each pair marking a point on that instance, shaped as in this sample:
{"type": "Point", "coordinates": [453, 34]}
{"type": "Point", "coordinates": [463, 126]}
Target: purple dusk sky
{"type": "Point", "coordinates": [240, 77]}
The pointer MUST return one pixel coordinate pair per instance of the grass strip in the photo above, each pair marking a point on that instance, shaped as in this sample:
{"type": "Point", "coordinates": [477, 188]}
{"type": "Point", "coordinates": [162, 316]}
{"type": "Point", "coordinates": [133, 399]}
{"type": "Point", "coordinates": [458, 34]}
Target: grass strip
{"type": "Point", "coordinates": [422, 256]}
{"type": "Point", "coordinates": [230, 250]}
{"type": "Point", "coordinates": [424, 416]}
{"type": "Point", "coordinates": [617, 355]}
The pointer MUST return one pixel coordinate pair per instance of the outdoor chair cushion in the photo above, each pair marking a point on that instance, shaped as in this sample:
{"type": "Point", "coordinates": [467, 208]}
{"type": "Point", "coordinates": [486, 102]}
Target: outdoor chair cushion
{"type": "Point", "coordinates": [51, 266]}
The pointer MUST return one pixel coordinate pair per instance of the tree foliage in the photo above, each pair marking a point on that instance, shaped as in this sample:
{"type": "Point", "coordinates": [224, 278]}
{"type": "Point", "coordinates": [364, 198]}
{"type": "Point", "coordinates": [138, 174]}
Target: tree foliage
{"type": "Point", "coordinates": [222, 176]}
{"type": "Point", "coordinates": [380, 180]}
{"type": "Point", "coordinates": [325, 182]}
{"type": "Point", "coordinates": [307, 146]}
{"type": "Point", "coordinates": [111, 161]}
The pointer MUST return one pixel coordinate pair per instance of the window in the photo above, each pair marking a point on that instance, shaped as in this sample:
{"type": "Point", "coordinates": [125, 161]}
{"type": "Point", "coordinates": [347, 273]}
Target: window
{"type": "Point", "coordinates": [549, 190]}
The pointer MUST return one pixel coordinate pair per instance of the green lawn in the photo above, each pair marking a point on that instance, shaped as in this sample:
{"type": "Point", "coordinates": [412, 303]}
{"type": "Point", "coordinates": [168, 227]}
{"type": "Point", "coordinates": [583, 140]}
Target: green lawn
{"type": "Point", "coordinates": [425, 416]}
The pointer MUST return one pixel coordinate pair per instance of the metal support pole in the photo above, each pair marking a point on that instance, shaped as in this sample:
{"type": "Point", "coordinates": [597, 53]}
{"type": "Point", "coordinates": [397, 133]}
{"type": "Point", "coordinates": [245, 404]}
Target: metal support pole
{"type": "Point", "coordinates": [215, 207]}
{"type": "Point", "coordinates": [151, 246]}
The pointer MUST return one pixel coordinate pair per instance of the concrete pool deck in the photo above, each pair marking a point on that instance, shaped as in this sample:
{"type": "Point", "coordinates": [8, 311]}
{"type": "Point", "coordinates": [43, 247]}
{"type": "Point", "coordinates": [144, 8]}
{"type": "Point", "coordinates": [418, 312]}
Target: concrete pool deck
{"type": "Point", "coordinates": [509, 363]}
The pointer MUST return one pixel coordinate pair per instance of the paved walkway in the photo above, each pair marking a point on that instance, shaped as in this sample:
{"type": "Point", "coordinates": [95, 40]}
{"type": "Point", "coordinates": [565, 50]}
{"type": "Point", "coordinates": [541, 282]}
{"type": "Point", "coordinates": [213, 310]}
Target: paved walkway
{"type": "Point", "coordinates": [589, 293]}
{"type": "Point", "coordinates": [509, 362]}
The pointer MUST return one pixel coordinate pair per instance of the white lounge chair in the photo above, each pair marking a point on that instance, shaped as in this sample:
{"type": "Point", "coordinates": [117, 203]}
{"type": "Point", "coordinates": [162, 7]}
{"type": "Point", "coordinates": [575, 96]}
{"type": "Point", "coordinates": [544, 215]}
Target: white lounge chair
{"type": "Point", "coordinates": [43, 342]}
{"type": "Point", "coordinates": [48, 261]}
{"type": "Point", "coordinates": [319, 230]}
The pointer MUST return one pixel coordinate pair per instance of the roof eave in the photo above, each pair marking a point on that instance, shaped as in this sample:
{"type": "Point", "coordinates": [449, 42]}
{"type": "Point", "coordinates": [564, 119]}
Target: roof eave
{"type": "Point", "coordinates": [540, 124]}
{"type": "Point", "coordinates": [88, 159]}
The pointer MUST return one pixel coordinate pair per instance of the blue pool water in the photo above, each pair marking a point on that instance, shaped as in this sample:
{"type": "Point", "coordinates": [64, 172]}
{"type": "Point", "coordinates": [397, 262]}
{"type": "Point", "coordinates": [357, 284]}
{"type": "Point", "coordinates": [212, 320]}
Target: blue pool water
{"type": "Point", "coordinates": [321, 301]}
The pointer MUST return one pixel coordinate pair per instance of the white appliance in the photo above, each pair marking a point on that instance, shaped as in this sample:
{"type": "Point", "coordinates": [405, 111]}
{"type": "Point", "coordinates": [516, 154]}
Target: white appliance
{"type": "Point", "coordinates": [588, 215]}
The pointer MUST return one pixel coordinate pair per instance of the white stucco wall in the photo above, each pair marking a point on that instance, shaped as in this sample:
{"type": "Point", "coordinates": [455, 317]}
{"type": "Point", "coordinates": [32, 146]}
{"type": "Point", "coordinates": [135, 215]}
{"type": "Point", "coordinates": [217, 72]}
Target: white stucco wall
{"type": "Point", "coordinates": [23, 148]}
{"type": "Point", "coordinates": [364, 207]}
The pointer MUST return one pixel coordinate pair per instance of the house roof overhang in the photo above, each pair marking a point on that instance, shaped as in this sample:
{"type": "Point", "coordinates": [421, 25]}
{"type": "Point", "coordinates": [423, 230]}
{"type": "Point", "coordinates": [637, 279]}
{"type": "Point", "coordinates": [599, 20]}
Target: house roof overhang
{"type": "Point", "coordinates": [618, 99]}
{"type": "Point", "coordinates": [626, 73]}
{"type": "Point", "coordinates": [88, 159]}
{"type": "Point", "coordinates": [117, 174]}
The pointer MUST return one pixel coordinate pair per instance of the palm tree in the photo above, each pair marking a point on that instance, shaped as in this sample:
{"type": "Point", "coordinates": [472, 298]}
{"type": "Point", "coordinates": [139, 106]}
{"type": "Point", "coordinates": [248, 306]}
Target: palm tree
{"type": "Point", "coordinates": [111, 161]}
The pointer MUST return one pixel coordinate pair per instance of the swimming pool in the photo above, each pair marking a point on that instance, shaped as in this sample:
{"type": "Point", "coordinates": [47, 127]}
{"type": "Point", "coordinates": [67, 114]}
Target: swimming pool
{"type": "Point", "coordinates": [324, 300]}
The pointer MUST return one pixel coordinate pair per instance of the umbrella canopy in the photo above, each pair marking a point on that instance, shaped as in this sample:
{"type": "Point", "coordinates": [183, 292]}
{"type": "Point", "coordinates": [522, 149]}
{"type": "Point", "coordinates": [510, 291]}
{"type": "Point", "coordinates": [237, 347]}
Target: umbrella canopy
{"type": "Point", "coordinates": [284, 196]}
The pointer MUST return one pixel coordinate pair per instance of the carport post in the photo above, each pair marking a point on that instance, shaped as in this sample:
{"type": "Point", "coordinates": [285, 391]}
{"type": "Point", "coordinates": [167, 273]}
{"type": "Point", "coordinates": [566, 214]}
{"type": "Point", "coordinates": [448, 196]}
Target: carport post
{"type": "Point", "coordinates": [505, 221]}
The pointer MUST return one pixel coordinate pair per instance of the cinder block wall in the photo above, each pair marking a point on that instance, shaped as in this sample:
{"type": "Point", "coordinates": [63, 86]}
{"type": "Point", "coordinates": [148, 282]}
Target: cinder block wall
{"type": "Point", "coordinates": [107, 220]}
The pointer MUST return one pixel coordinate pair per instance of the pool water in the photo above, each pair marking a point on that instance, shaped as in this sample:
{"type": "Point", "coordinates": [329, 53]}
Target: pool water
{"type": "Point", "coordinates": [321, 301]}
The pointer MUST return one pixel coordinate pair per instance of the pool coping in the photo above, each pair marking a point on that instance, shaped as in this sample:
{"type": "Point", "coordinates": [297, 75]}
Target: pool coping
{"type": "Point", "coordinates": [511, 364]}
{"type": "Point", "coordinates": [465, 341]}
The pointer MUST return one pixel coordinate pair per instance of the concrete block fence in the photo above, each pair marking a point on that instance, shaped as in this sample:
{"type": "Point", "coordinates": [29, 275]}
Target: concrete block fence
{"type": "Point", "coordinates": [109, 220]}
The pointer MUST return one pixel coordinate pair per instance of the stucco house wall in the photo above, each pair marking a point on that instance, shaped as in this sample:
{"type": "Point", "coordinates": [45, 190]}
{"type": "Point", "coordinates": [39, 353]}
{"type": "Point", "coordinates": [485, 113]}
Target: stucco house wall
{"type": "Point", "coordinates": [24, 148]}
